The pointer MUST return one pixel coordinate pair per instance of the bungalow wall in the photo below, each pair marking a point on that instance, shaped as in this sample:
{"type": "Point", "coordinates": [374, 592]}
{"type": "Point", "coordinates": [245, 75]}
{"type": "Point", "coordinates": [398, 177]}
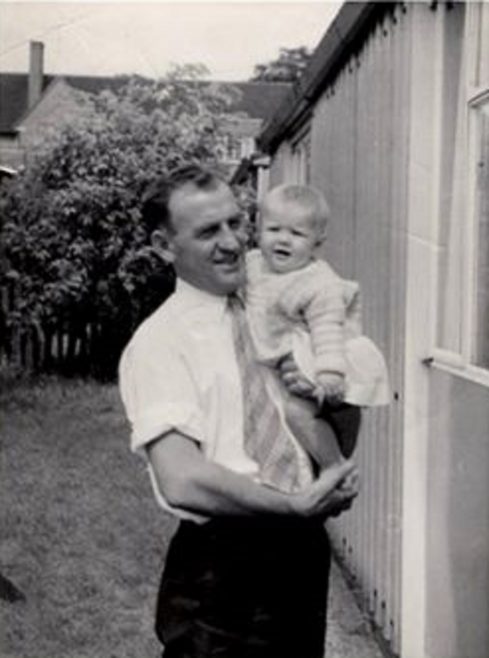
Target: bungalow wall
{"type": "Point", "coordinates": [358, 159]}
{"type": "Point", "coordinates": [358, 138]}
{"type": "Point", "coordinates": [388, 147]}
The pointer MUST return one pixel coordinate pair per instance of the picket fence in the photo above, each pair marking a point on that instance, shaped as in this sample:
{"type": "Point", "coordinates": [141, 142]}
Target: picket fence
{"type": "Point", "coordinates": [64, 347]}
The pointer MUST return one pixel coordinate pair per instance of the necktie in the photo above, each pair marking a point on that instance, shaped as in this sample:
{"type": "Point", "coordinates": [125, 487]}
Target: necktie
{"type": "Point", "coordinates": [265, 439]}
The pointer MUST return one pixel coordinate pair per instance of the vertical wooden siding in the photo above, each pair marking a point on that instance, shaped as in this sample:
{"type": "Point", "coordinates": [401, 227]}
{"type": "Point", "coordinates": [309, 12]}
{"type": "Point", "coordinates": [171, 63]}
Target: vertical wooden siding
{"type": "Point", "coordinates": [359, 160]}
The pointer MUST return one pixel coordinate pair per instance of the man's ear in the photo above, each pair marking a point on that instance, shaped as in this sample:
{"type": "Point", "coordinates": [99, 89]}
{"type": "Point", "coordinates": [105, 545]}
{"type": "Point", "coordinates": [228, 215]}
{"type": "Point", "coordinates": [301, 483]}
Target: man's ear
{"type": "Point", "coordinates": [162, 245]}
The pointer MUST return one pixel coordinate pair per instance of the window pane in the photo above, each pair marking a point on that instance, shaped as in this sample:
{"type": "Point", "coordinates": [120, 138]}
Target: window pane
{"type": "Point", "coordinates": [482, 74]}
{"type": "Point", "coordinates": [481, 356]}
{"type": "Point", "coordinates": [453, 205]}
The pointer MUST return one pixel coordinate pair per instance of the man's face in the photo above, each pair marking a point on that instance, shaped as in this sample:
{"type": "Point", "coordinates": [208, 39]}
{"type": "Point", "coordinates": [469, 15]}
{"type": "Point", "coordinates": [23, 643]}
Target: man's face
{"type": "Point", "coordinates": [208, 238]}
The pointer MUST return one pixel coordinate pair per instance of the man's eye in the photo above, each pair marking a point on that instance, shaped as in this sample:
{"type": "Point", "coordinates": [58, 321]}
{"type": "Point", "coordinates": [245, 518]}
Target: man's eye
{"type": "Point", "coordinates": [272, 229]}
{"type": "Point", "coordinates": [236, 224]}
{"type": "Point", "coordinates": [208, 233]}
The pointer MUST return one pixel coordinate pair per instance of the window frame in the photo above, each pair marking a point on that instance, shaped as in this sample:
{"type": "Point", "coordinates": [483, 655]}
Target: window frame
{"type": "Point", "coordinates": [461, 362]}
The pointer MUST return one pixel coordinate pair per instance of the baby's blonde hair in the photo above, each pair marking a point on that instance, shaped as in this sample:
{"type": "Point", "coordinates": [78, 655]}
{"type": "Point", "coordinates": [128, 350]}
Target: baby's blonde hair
{"type": "Point", "coordinates": [305, 197]}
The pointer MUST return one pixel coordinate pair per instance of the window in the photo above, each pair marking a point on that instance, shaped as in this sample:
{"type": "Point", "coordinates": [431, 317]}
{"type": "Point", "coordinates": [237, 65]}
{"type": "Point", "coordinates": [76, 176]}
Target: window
{"type": "Point", "coordinates": [480, 167]}
{"type": "Point", "coordinates": [453, 184]}
{"type": "Point", "coordinates": [300, 161]}
{"type": "Point", "coordinates": [478, 103]}
{"type": "Point", "coordinates": [247, 147]}
{"type": "Point", "coordinates": [234, 148]}
{"type": "Point", "coordinates": [462, 333]}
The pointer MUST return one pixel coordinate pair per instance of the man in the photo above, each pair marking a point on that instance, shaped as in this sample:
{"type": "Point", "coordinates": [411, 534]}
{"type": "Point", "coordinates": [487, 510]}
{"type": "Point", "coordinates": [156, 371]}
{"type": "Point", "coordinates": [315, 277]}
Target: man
{"type": "Point", "coordinates": [246, 573]}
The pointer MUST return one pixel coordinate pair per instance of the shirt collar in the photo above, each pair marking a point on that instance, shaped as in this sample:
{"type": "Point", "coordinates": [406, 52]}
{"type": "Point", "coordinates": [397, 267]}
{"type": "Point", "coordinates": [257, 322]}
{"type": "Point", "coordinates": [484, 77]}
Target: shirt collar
{"type": "Point", "coordinates": [199, 298]}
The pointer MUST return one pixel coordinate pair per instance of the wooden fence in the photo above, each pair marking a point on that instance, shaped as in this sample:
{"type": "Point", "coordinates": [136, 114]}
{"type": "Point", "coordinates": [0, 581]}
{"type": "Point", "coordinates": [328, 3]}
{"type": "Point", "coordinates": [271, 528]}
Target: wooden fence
{"type": "Point", "coordinates": [78, 344]}
{"type": "Point", "coordinates": [65, 346]}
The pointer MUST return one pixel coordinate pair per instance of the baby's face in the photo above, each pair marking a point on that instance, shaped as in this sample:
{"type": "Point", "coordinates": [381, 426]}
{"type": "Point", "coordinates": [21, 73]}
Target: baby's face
{"type": "Point", "coordinates": [288, 237]}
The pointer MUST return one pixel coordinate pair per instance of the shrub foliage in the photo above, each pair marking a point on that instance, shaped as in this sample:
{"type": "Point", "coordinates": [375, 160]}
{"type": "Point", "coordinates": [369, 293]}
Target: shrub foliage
{"type": "Point", "coordinates": [73, 243]}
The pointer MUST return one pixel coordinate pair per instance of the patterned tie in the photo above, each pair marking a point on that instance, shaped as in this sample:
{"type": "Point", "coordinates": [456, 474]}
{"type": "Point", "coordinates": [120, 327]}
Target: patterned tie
{"type": "Point", "coordinates": [265, 438]}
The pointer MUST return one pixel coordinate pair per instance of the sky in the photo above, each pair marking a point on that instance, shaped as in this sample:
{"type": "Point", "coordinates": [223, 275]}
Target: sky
{"type": "Point", "coordinates": [107, 38]}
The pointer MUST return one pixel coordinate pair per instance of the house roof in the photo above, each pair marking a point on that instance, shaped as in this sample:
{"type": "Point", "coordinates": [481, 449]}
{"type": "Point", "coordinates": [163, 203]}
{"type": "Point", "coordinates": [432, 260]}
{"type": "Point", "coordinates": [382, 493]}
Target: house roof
{"type": "Point", "coordinates": [258, 100]}
{"type": "Point", "coordinates": [13, 98]}
{"type": "Point", "coordinates": [339, 42]}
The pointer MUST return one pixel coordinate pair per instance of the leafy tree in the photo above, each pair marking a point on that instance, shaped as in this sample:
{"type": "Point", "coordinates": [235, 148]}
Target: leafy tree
{"type": "Point", "coordinates": [71, 222]}
{"type": "Point", "coordinates": [288, 67]}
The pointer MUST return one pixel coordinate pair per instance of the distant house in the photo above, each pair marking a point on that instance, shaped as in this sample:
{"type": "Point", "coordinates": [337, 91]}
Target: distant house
{"type": "Point", "coordinates": [391, 122]}
{"type": "Point", "coordinates": [32, 102]}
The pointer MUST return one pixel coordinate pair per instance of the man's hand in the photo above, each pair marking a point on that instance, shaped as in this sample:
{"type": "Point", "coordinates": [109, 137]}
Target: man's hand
{"type": "Point", "coordinates": [332, 493]}
{"type": "Point", "coordinates": [293, 379]}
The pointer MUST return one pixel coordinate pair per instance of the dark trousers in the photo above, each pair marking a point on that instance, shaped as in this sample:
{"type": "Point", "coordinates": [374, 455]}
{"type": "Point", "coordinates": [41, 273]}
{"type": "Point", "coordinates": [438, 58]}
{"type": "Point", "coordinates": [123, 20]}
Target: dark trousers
{"type": "Point", "coordinates": [243, 588]}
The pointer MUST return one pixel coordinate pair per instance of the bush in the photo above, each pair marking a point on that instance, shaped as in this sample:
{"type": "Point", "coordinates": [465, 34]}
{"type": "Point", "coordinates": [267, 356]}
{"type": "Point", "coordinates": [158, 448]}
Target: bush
{"type": "Point", "coordinates": [72, 236]}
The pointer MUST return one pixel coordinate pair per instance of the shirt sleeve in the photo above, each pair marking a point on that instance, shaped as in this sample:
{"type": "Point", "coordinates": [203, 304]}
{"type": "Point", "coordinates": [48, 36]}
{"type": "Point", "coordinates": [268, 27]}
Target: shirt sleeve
{"type": "Point", "coordinates": [159, 394]}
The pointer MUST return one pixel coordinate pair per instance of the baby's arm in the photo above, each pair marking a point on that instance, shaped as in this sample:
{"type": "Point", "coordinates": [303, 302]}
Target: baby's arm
{"type": "Point", "coordinates": [324, 314]}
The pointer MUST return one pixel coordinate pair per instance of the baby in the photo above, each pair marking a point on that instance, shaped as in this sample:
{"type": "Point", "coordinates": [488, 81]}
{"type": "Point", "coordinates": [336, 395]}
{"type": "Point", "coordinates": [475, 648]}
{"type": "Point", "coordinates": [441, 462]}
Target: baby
{"type": "Point", "coordinates": [298, 305]}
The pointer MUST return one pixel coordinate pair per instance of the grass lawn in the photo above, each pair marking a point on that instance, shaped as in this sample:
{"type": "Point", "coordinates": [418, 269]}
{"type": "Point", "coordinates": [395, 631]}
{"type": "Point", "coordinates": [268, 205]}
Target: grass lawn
{"type": "Point", "coordinates": [82, 537]}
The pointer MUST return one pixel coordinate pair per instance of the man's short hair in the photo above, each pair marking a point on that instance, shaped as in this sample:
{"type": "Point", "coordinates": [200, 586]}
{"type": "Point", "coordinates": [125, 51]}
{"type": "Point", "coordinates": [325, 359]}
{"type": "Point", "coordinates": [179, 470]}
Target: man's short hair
{"type": "Point", "coordinates": [305, 197]}
{"type": "Point", "coordinates": [155, 209]}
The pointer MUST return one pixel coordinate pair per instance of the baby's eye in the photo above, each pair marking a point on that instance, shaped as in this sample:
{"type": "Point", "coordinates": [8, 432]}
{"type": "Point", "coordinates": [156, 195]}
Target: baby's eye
{"type": "Point", "coordinates": [272, 229]}
{"type": "Point", "coordinates": [299, 233]}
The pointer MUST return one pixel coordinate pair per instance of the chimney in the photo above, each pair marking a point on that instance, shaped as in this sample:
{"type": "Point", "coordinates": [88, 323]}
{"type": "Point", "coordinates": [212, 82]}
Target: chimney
{"type": "Point", "coordinates": [36, 65]}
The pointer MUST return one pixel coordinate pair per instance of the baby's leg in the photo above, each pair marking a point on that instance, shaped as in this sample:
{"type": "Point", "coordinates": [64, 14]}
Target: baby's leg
{"type": "Point", "coordinates": [344, 420]}
{"type": "Point", "coordinates": [314, 433]}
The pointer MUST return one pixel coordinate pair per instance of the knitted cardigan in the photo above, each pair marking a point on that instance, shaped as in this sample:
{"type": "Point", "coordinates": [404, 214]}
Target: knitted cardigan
{"type": "Point", "coordinates": [314, 298]}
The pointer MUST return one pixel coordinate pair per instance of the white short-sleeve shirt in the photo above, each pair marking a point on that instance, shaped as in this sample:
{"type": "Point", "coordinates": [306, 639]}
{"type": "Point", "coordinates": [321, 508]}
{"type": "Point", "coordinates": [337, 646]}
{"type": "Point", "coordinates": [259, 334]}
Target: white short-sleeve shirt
{"type": "Point", "coordinates": [179, 372]}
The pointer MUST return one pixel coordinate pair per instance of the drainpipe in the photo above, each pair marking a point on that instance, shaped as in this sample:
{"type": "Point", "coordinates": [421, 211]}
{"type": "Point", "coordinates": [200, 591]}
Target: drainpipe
{"type": "Point", "coordinates": [36, 66]}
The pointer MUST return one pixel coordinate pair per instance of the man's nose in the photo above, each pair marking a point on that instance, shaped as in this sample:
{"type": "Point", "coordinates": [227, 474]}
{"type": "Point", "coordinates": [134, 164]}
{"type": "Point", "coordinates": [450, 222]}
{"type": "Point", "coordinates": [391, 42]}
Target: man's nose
{"type": "Point", "coordinates": [229, 240]}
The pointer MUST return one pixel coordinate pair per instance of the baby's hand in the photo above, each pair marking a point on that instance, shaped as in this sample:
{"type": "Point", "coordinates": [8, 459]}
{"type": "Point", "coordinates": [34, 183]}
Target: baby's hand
{"type": "Point", "coordinates": [331, 387]}
{"type": "Point", "coordinates": [294, 380]}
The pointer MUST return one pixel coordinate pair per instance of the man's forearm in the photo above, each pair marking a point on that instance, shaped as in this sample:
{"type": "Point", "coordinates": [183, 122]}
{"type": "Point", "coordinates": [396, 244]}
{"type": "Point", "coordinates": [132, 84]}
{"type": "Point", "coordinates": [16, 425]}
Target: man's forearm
{"type": "Point", "coordinates": [189, 481]}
